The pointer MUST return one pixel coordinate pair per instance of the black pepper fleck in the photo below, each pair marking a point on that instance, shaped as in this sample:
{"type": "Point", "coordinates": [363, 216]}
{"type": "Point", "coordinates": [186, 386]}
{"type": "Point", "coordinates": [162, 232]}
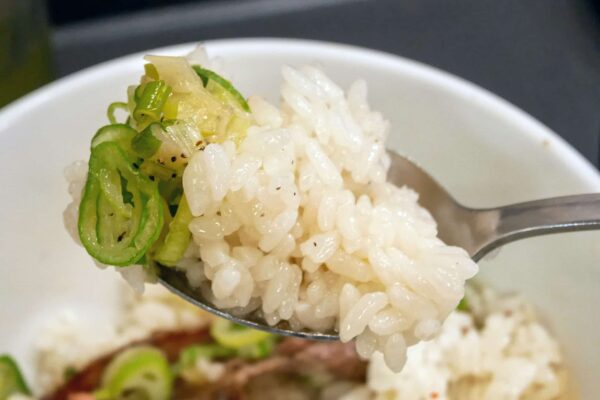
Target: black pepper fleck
{"type": "Point", "coordinates": [174, 158]}
{"type": "Point", "coordinates": [278, 188]}
{"type": "Point", "coordinates": [151, 178]}
{"type": "Point", "coordinates": [315, 244]}
{"type": "Point", "coordinates": [121, 236]}
{"type": "Point", "coordinates": [173, 175]}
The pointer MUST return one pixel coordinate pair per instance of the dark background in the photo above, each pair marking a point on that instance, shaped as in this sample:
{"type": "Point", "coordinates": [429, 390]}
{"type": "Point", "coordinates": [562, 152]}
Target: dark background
{"type": "Point", "coordinates": [66, 11]}
{"type": "Point", "coordinates": [542, 55]}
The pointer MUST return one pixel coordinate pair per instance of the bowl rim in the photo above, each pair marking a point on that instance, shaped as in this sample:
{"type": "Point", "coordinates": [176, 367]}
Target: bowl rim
{"type": "Point", "coordinates": [493, 103]}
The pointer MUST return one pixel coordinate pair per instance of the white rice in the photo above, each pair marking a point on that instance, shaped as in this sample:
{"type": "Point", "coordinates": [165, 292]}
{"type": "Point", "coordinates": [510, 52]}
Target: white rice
{"type": "Point", "coordinates": [513, 357]}
{"type": "Point", "coordinates": [70, 342]}
{"type": "Point", "coordinates": [299, 224]}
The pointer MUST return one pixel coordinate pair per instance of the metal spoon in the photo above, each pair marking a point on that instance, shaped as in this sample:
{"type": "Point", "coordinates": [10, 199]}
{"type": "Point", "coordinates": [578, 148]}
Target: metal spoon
{"type": "Point", "coordinates": [478, 231]}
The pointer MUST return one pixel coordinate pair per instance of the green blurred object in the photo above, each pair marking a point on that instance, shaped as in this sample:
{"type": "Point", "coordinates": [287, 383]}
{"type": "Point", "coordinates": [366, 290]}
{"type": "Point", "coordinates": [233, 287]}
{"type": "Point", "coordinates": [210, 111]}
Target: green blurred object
{"type": "Point", "coordinates": [25, 60]}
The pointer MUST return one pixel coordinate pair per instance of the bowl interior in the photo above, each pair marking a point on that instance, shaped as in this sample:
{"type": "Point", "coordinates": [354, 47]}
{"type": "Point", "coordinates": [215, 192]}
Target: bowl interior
{"type": "Point", "coordinates": [485, 151]}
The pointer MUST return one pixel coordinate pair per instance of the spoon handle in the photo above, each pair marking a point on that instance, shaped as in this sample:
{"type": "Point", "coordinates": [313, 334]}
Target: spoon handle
{"type": "Point", "coordinates": [502, 225]}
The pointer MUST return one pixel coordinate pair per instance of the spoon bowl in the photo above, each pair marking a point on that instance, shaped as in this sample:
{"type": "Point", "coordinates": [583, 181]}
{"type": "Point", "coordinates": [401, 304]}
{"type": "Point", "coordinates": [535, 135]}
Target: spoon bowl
{"type": "Point", "coordinates": [478, 231]}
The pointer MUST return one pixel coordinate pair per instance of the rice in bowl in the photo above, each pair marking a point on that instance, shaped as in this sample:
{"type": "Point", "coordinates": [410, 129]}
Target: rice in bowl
{"type": "Point", "coordinates": [495, 348]}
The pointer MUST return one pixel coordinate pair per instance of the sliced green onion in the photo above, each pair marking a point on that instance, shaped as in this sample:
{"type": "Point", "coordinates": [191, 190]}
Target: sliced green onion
{"type": "Point", "coordinates": [169, 122]}
{"type": "Point", "coordinates": [151, 71]}
{"type": "Point", "coordinates": [178, 238]}
{"type": "Point", "coordinates": [110, 112]}
{"type": "Point", "coordinates": [131, 100]}
{"type": "Point", "coordinates": [184, 135]}
{"type": "Point", "coordinates": [258, 350]}
{"type": "Point", "coordinates": [207, 75]}
{"type": "Point", "coordinates": [151, 102]}
{"type": "Point", "coordinates": [69, 372]}
{"type": "Point", "coordinates": [140, 372]}
{"type": "Point", "coordinates": [114, 229]}
{"type": "Point", "coordinates": [234, 336]}
{"type": "Point", "coordinates": [117, 194]}
{"type": "Point", "coordinates": [119, 133]}
{"type": "Point", "coordinates": [171, 190]}
{"type": "Point", "coordinates": [191, 354]}
{"type": "Point", "coordinates": [138, 91]}
{"type": "Point", "coordinates": [237, 128]}
{"type": "Point", "coordinates": [11, 379]}
{"type": "Point", "coordinates": [144, 143]}
{"type": "Point", "coordinates": [463, 305]}
{"type": "Point", "coordinates": [156, 171]}
{"type": "Point", "coordinates": [102, 394]}
{"type": "Point", "coordinates": [171, 108]}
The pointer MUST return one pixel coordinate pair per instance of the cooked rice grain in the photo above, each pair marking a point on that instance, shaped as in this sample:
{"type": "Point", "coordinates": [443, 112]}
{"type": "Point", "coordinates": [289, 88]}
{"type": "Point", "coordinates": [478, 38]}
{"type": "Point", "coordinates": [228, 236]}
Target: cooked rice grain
{"type": "Point", "coordinates": [300, 222]}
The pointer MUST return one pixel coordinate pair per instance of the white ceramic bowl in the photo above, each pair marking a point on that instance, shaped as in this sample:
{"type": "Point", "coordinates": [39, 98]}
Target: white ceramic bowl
{"type": "Point", "coordinates": [484, 150]}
